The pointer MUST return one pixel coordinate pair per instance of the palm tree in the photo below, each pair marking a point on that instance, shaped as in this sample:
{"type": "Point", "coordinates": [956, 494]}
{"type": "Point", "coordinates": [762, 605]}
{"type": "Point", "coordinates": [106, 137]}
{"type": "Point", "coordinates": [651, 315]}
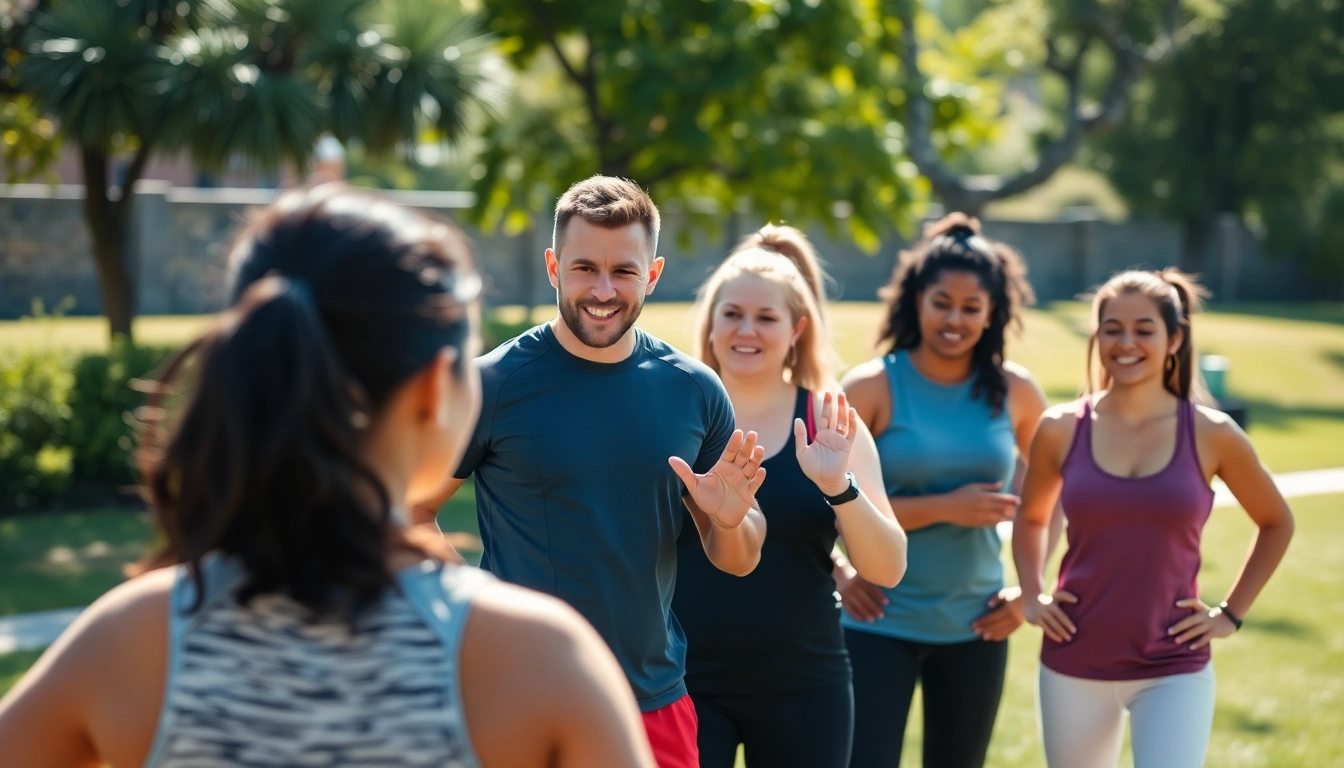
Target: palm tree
{"type": "Point", "coordinates": [259, 80]}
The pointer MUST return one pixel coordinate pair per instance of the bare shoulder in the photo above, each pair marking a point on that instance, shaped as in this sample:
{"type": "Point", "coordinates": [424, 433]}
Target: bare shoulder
{"type": "Point", "coordinates": [865, 376]}
{"type": "Point", "coordinates": [1019, 377]}
{"type": "Point", "coordinates": [1213, 419]}
{"type": "Point", "coordinates": [530, 658]}
{"type": "Point", "coordinates": [1059, 419]}
{"type": "Point", "coordinates": [1025, 395]}
{"type": "Point", "coordinates": [130, 615]}
{"type": "Point", "coordinates": [1221, 430]}
{"type": "Point", "coordinates": [525, 637]}
{"type": "Point", "coordinates": [514, 616]}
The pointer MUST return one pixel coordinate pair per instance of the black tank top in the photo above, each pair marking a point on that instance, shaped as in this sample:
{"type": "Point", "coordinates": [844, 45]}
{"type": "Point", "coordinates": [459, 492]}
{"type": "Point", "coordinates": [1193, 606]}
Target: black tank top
{"type": "Point", "coordinates": [776, 630]}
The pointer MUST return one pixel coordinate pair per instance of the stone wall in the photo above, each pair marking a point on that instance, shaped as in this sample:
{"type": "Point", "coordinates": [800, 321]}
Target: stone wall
{"type": "Point", "coordinates": [180, 235]}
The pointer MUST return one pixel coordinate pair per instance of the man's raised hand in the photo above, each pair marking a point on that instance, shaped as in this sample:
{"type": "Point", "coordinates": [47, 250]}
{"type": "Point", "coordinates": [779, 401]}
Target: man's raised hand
{"type": "Point", "coordinates": [727, 491]}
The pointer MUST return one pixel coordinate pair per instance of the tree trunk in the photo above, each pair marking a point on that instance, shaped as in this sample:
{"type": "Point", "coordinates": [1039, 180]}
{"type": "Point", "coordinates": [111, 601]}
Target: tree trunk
{"type": "Point", "coordinates": [108, 221]}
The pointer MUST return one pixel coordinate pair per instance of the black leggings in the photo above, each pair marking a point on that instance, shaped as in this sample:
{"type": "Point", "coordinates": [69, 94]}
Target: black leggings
{"type": "Point", "coordinates": [962, 683]}
{"type": "Point", "coordinates": [810, 729]}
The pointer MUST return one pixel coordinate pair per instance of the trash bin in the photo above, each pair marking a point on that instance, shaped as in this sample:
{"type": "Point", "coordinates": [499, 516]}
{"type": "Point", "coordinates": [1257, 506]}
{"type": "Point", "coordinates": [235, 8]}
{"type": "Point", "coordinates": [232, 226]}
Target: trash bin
{"type": "Point", "coordinates": [1214, 370]}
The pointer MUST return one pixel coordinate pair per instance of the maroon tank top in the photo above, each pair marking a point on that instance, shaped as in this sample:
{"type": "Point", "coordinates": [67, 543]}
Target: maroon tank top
{"type": "Point", "coordinates": [1133, 551]}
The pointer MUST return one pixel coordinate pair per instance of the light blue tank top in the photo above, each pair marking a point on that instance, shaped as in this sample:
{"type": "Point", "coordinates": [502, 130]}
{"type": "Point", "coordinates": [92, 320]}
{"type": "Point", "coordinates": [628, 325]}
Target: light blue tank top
{"type": "Point", "coordinates": [939, 439]}
{"type": "Point", "coordinates": [262, 686]}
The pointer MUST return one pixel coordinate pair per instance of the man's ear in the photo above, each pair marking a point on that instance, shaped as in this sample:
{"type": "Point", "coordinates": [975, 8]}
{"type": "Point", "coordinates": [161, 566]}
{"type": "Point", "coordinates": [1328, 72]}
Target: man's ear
{"type": "Point", "coordinates": [553, 268]}
{"type": "Point", "coordinates": [655, 272]}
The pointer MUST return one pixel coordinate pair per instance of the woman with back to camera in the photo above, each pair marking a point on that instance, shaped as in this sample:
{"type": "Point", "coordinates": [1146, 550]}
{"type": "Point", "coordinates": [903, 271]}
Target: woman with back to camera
{"type": "Point", "coordinates": [1125, 628]}
{"type": "Point", "coordinates": [765, 663]}
{"type": "Point", "coordinates": [947, 410]}
{"type": "Point", "coordinates": [288, 616]}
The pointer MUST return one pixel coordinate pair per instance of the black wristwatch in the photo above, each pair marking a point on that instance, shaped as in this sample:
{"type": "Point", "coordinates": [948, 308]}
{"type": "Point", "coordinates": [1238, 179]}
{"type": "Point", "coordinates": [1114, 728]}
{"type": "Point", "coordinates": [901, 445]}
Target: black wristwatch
{"type": "Point", "coordinates": [849, 494]}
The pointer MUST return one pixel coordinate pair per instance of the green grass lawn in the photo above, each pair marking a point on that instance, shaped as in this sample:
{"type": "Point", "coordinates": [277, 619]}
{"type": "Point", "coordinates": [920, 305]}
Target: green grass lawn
{"type": "Point", "coordinates": [1276, 677]}
{"type": "Point", "coordinates": [1287, 359]}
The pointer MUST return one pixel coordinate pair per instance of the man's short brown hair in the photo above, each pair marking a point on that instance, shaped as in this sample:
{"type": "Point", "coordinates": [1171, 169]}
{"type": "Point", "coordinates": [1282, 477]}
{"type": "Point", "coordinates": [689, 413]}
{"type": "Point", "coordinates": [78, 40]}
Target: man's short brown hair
{"type": "Point", "coordinates": [608, 202]}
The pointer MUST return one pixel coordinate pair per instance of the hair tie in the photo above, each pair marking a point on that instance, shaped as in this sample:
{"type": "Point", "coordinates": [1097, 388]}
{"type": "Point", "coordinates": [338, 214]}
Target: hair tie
{"type": "Point", "coordinates": [960, 231]}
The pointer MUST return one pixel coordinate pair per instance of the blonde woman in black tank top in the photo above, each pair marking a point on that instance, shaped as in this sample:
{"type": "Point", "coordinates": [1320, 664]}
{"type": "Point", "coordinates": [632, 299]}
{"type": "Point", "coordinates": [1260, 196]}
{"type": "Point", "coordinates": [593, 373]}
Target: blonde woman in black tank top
{"type": "Point", "coordinates": [766, 664]}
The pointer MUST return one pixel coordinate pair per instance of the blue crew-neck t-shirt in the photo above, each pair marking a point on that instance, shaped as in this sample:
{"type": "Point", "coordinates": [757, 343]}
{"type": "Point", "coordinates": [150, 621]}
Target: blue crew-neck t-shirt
{"type": "Point", "coordinates": [574, 493]}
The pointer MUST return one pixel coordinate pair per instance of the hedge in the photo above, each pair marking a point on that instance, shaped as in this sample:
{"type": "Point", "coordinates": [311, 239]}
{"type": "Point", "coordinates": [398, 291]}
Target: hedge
{"type": "Point", "coordinates": [65, 422]}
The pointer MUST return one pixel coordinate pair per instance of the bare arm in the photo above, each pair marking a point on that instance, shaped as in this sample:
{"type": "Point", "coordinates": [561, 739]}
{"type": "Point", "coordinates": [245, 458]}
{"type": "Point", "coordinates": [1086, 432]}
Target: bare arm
{"type": "Point", "coordinates": [875, 541]}
{"type": "Point", "coordinates": [722, 502]}
{"type": "Point", "coordinates": [1040, 496]}
{"type": "Point", "coordinates": [94, 696]}
{"type": "Point", "coordinates": [426, 514]}
{"type": "Point", "coordinates": [1028, 404]}
{"type": "Point", "coordinates": [540, 688]}
{"type": "Point", "coordinates": [1253, 487]}
{"type": "Point", "coordinates": [736, 549]}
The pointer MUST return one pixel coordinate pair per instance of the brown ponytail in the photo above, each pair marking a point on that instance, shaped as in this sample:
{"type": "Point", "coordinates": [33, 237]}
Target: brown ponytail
{"type": "Point", "coordinates": [1178, 296]}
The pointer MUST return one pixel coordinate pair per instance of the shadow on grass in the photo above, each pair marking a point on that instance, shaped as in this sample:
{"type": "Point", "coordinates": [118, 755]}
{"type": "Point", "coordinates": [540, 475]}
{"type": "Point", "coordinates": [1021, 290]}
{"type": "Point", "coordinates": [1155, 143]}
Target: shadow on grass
{"type": "Point", "coordinates": [1334, 358]}
{"type": "Point", "coordinates": [1285, 628]}
{"type": "Point", "coordinates": [1329, 312]}
{"type": "Point", "coordinates": [1265, 412]}
{"type": "Point", "coordinates": [1239, 719]}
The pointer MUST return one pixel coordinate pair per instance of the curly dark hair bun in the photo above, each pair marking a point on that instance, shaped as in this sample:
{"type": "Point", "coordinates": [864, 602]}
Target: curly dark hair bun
{"type": "Point", "coordinates": [954, 243]}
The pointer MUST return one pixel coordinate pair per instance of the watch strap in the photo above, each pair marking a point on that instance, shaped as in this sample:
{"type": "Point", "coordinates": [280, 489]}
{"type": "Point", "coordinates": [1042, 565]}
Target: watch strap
{"type": "Point", "coordinates": [849, 494]}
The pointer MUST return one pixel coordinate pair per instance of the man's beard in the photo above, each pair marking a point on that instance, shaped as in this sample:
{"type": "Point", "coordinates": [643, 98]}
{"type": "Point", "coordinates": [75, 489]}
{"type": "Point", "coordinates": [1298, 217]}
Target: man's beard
{"type": "Point", "coordinates": [577, 320]}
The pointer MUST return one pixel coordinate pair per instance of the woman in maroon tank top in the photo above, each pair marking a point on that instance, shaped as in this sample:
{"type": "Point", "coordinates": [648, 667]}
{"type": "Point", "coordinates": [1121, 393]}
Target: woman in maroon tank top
{"type": "Point", "coordinates": [1125, 628]}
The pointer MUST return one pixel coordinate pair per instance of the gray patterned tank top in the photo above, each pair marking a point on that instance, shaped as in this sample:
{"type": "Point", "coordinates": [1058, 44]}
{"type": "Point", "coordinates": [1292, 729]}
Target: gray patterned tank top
{"type": "Point", "coordinates": [261, 687]}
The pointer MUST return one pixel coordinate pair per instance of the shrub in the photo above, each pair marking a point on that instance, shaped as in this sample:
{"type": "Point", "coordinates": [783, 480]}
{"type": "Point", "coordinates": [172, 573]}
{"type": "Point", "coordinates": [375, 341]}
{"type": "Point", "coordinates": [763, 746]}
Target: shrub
{"type": "Point", "coordinates": [65, 424]}
{"type": "Point", "coordinates": [101, 430]}
{"type": "Point", "coordinates": [35, 457]}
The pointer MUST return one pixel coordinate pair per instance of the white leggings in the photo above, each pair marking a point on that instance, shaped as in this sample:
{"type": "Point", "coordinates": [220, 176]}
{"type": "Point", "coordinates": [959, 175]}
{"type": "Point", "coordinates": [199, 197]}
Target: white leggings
{"type": "Point", "coordinates": [1082, 721]}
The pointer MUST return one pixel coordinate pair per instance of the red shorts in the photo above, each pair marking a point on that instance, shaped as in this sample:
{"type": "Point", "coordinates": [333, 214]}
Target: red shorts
{"type": "Point", "coordinates": [672, 734]}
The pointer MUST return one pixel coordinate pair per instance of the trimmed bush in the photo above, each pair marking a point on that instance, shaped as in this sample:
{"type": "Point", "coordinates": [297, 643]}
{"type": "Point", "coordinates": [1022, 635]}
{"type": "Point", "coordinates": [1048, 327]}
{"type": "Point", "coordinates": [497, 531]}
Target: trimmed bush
{"type": "Point", "coordinates": [65, 424]}
{"type": "Point", "coordinates": [101, 400]}
{"type": "Point", "coordinates": [35, 459]}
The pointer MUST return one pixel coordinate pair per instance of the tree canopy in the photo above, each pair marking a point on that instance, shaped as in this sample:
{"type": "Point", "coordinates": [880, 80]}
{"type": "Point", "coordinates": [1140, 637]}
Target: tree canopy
{"type": "Point", "coordinates": [256, 80]}
{"type": "Point", "coordinates": [793, 106]}
{"type": "Point", "coordinates": [1249, 121]}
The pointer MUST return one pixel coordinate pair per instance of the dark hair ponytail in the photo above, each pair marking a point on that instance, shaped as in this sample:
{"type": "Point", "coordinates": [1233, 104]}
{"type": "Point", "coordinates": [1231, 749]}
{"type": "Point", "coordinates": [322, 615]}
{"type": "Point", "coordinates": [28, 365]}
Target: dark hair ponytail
{"type": "Point", "coordinates": [954, 243]}
{"type": "Point", "coordinates": [341, 296]}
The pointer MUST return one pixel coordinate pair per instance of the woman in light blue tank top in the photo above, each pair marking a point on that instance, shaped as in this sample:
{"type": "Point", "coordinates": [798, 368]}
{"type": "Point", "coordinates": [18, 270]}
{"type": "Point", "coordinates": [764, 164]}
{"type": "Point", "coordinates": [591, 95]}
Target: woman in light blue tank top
{"type": "Point", "coordinates": [949, 416]}
{"type": "Point", "coordinates": [288, 617]}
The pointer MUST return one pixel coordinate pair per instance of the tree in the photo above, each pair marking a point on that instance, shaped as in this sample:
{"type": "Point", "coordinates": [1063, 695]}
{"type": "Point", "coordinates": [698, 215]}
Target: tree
{"type": "Point", "coordinates": [785, 104]}
{"type": "Point", "coordinates": [1249, 121]}
{"type": "Point", "coordinates": [1097, 49]}
{"type": "Point", "coordinates": [256, 79]}
{"type": "Point", "coordinates": [29, 143]}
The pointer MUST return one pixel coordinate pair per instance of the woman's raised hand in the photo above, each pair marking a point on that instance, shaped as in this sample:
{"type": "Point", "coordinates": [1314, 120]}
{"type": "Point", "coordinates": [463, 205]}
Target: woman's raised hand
{"type": "Point", "coordinates": [826, 458]}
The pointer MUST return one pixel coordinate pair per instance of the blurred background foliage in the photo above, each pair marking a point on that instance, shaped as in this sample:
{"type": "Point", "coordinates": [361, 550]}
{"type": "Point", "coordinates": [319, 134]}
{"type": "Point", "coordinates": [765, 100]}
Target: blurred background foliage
{"type": "Point", "coordinates": [860, 115]}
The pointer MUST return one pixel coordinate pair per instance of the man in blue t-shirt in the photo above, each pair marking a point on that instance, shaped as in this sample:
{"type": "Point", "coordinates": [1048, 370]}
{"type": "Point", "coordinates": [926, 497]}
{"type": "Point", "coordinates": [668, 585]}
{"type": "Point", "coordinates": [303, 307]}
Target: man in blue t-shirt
{"type": "Point", "coordinates": [592, 436]}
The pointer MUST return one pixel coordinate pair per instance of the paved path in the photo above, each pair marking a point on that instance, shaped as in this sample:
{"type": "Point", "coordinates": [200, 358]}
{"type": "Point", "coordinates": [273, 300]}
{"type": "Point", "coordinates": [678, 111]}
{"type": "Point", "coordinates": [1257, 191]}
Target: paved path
{"type": "Point", "coordinates": [38, 630]}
